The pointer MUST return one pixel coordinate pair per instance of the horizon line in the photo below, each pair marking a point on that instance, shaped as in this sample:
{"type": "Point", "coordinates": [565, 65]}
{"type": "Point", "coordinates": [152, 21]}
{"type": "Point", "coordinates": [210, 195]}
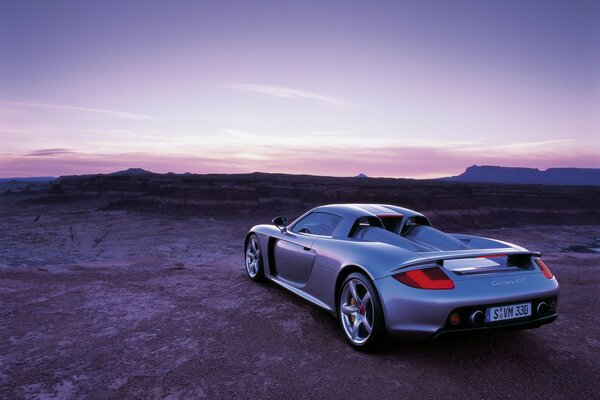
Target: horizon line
{"type": "Point", "coordinates": [358, 175]}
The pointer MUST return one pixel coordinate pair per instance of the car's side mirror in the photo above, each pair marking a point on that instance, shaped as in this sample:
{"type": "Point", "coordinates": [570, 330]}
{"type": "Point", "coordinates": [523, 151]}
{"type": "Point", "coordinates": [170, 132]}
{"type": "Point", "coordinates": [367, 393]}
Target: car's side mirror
{"type": "Point", "coordinates": [281, 223]}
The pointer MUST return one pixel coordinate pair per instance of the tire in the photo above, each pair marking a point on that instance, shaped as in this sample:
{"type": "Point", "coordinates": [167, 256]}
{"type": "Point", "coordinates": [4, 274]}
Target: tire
{"type": "Point", "coordinates": [253, 257]}
{"type": "Point", "coordinates": [360, 316]}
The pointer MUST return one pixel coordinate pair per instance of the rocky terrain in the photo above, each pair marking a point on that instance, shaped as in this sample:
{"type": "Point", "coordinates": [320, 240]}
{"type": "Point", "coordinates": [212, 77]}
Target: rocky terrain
{"type": "Point", "coordinates": [449, 205]}
{"type": "Point", "coordinates": [134, 287]}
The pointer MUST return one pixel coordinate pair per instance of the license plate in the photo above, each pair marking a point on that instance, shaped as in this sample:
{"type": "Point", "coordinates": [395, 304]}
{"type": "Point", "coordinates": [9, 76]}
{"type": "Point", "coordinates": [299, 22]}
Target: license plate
{"type": "Point", "coordinates": [502, 313]}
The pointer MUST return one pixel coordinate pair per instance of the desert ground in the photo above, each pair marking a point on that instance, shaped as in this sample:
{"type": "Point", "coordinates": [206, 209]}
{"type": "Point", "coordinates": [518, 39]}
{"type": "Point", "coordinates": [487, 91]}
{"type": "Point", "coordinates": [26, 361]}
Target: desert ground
{"type": "Point", "coordinates": [110, 304]}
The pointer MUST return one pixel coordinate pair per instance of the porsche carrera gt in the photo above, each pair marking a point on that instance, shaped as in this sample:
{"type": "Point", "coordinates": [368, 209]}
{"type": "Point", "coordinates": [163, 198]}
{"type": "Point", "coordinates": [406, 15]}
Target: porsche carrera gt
{"type": "Point", "coordinates": [384, 270]}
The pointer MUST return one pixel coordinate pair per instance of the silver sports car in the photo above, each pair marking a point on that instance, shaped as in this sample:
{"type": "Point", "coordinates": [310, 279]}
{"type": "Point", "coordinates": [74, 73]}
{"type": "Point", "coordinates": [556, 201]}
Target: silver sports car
{"type": "Point", "coordinates": [383, 269]}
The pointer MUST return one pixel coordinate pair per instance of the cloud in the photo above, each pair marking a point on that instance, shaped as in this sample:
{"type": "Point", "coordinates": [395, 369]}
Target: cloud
{"type": "Point", "coordinates": [77, 163]}
{"type": "Point", "coordinates": [48, 152]}
{"type": "Point", "coordinates": [236, 133]}
{"type": "Point", "coordinates": [329, 133]}
{"type": "Point", "coordinates": [528, 149]}
{"type": "Point", "coordinates": [289, 93]}
{"type": "Point", "coordinates": [119, 114]}
{"type": "Point", "coordinates": [525, 146]}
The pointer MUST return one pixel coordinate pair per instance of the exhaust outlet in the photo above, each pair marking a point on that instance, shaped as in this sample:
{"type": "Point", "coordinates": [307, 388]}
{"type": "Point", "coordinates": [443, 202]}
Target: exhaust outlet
{"type": "Point", "coordinates": [477, 318]}
{"type": "Point", "coordinates": [542, 308]}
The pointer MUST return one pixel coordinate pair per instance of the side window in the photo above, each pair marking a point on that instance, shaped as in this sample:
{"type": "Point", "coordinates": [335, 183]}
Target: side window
{"type": "Point", "coordinates": [318, 223]}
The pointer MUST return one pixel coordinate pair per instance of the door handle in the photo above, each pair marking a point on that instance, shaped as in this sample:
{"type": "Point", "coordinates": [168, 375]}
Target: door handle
{"type": "Point", "coordinates": [306, 248]}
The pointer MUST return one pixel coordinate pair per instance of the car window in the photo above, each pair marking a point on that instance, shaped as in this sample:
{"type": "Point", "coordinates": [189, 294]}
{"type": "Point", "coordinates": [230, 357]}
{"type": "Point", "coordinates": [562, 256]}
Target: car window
{"type": "Point", "coordinates": [363, 222]}
{"type": "Point", "coordinates": [391, 222]}
{"type": "Point", "coordinates": [317, 223]}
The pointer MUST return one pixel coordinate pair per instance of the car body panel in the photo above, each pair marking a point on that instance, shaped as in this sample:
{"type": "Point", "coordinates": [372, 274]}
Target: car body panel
{"type": "Point", "coordinates": [294, 258]}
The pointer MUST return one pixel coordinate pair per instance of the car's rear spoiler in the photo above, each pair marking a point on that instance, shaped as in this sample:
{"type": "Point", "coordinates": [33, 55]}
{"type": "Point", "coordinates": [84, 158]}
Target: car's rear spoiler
{"type": "Point", "coordinates": [514, 256]}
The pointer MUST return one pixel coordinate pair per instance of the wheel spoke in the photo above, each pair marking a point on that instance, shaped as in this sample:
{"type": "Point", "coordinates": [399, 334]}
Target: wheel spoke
{"type": "Point", "coordinates": [365, 322]}
{"type": "Point", "coordinates": [355, 327]}
{"type": "Point", "coordinates": [366, 299]}
{"type": "Point", "coordinates": [352, 286]}
{"type": "Point", "coordinates": [347, 309]}
{"type": "Point", "coordinates": [250, 254]}
{"type": "Point", "coordinates": [254, 246]}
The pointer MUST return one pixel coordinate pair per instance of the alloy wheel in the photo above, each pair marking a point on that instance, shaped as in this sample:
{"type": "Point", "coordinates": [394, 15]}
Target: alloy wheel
{"type": "Point", "coordinates": [252, 257]}
{"type": "Point", "coordinates": [357, 313]}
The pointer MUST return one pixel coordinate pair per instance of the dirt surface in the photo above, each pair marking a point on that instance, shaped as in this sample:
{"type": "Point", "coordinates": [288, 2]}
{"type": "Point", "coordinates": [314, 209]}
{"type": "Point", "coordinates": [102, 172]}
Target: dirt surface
{"type": "Point", "coordinates": [114, 304]}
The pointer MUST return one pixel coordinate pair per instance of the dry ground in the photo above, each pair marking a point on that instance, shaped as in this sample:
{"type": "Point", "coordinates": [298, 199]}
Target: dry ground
{"type": "Point", "coordinates": [124, 305]}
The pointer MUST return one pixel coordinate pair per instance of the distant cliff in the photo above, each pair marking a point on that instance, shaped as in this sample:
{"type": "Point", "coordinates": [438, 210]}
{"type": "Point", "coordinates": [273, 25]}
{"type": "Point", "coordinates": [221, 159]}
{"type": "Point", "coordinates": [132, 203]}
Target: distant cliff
{"type": "Point", "coordinates": [449, 205]}
{"type": "Point", "coordinates": [551, 176]}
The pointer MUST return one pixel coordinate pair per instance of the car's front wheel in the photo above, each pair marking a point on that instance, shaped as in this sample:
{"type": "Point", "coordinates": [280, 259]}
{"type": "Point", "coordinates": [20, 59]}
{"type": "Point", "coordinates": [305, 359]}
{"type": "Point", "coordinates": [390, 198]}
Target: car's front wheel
{"type": "Point", "coordinates": [359, 312]}
{"type": "Point", "coordinates": [254, 259]}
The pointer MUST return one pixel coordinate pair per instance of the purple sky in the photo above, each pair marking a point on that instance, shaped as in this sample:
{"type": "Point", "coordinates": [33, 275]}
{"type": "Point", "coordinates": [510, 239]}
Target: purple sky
{"type": "Point", "coordinates": [405, 89]}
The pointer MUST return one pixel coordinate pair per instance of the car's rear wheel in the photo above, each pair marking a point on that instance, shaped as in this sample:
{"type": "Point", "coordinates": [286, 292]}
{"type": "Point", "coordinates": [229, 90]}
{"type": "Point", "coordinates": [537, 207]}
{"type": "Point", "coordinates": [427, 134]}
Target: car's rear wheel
{"type": "Point", "coordinates": [254, 259]}
{"type": "Point", "coordinates": [359, 312]}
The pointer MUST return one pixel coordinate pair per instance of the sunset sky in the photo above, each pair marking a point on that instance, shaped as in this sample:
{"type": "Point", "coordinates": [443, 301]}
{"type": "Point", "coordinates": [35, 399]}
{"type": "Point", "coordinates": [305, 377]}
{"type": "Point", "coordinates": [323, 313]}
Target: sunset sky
{"type": "Point", "coordinates": [401, 88]}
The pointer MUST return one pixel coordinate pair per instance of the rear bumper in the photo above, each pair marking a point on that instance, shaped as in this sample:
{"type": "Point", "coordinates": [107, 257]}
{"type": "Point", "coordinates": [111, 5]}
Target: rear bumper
{"type": "Point", "coordinates": [417, 314]}
{"type": "Point", "coordinates": [525, 324]}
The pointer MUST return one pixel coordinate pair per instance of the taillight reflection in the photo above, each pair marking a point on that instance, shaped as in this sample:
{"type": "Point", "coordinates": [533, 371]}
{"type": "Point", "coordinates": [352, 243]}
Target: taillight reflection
{"type": "Point", "coordinates": [426, 278]}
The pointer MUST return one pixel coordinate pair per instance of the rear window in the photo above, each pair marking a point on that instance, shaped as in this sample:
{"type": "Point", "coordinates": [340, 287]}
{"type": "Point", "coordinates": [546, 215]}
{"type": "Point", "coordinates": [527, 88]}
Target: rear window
{"type": "Point", "coordinates": [391, 222]}
{"type": "Point", "coordinates": [318, 223]}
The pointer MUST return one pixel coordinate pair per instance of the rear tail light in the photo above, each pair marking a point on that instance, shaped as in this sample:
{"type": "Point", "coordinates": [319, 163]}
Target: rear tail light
{"type": "Point", "coordinates": [544, 268]}
{"type": "Point", "coordinates": [426, 278]}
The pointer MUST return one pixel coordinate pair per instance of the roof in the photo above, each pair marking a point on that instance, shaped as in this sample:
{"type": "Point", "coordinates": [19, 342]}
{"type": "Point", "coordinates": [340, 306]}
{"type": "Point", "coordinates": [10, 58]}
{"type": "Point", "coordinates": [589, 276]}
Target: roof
{"type": "Point", "coordinates": [359, 210]}
{"type": "Point", "coordinates": [351, 212]}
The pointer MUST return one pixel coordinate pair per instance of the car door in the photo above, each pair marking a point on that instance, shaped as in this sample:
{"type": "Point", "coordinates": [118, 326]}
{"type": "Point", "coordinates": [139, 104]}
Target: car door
{"type": "Point", "coordinates": [294, 255]}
